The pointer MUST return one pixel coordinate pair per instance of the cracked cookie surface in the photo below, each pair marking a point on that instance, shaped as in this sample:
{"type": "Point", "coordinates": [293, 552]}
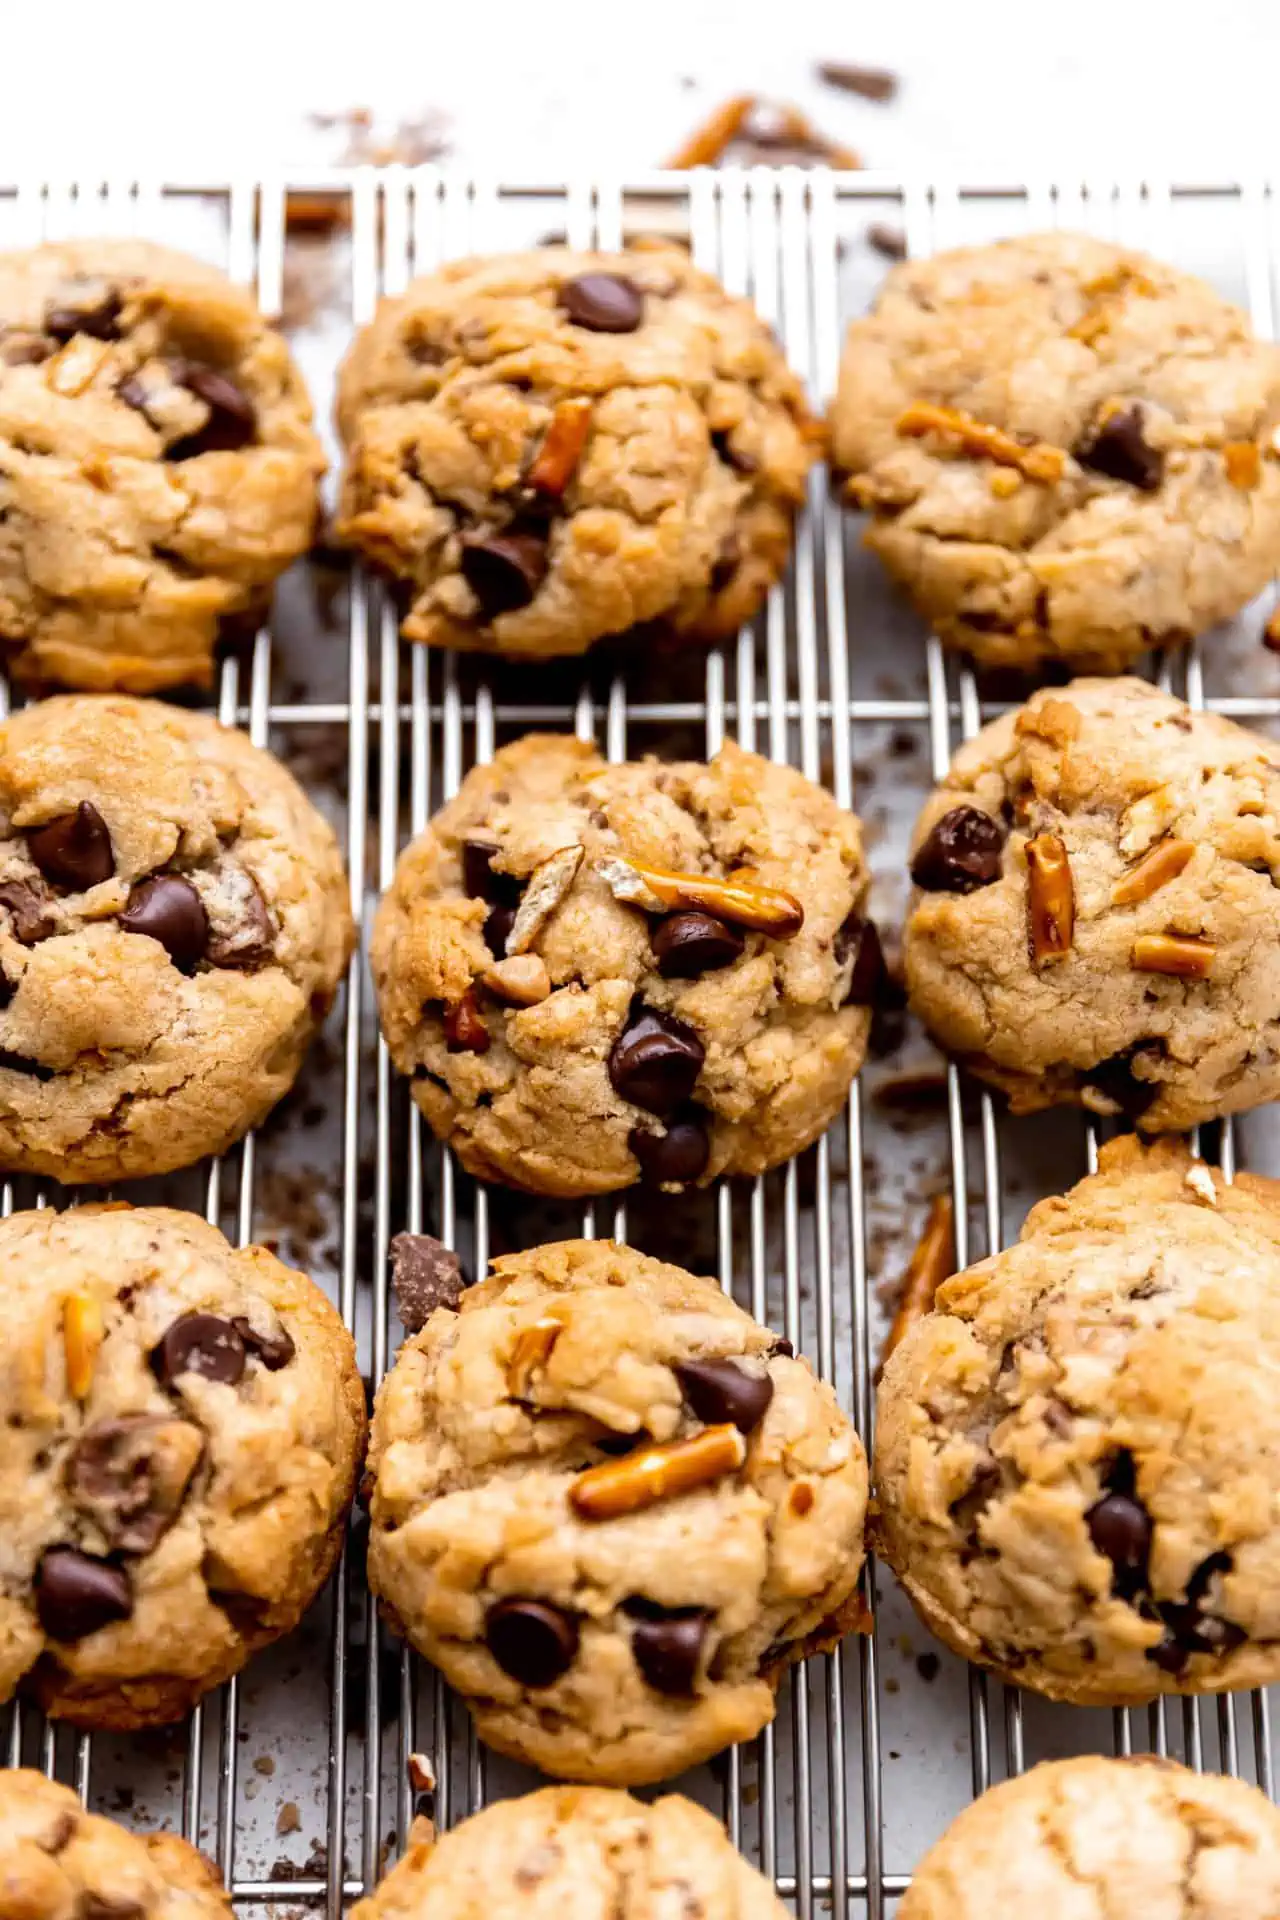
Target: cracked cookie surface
{"type": "Point", "coordinates": [158, 468]}
{"type": "Point", "coordinates": [582, 1851]}
{"type": "Point", "coordinates": [173, 925]}
{"type": "Point", "coordinates": [1066, 449]}
{"type": "Point", "coordinates": [181, 1429]}
{"type": "Point", "coordinates": [1088, 1838]}
{"type": "Point", "coordinates": [552, 447]}
{"type": "Point", "coordinates": [57, 1860]}
{"type": "Point", "coordinates": [611, 1508]}
{"type": "Point", "coordinates": [567, 1030]}
{"type": "Point", "coordinates": [1076, 1452]}
{"type": "Point", "coordinates": [1136, 972]}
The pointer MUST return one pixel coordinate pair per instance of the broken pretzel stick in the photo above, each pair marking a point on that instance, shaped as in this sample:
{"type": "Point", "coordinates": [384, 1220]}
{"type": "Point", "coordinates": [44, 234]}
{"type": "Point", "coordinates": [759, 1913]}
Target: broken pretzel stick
{"type": "Point", "coordinates": [556, 460]}
{"type": "Point", "coordinates": [1164, 863]}
{"type": "Point", "coordinates": [1039, 461]}
{"type": "Point", "coordinates": [1051, 904]}
{"type": "Point", "coordinates": [742, 899]}
{"type": "Point", "coordinates": [642, 1478]}
{"type": "Point", "coordinates": [933, 1261]}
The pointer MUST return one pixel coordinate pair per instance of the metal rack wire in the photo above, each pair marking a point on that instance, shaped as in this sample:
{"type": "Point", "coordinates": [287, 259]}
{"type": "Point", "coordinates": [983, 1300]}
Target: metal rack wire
{"type": "Point", "coordinates": [813, 1803]}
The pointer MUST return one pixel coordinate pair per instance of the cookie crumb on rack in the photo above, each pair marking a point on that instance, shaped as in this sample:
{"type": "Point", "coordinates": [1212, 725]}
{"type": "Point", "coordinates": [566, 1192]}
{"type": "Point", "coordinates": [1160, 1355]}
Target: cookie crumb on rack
{"type": "Point", "coordinates": [869, 83]}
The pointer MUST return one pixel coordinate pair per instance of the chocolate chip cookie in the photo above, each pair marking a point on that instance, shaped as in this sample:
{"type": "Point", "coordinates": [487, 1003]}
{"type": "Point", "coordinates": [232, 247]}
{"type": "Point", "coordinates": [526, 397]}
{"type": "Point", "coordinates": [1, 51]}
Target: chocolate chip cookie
{"type": "Point", "coordinates": [57, 1861]}
{"type": "Point", "coordinates": [1097, 910]}
{"type": "Point", "coordinates": [551, 447]}
{"type": "Point", "coordinates": [612, 1509]}
{"type": "Point", "coordinates": [157, 464]}
{"type": "Point", "coordinates": [1139, 1837]}
{"type": "Point", "coordinates": [585, 1852]}
{"type": "Point", "coordinates": [596, 974]}
{"type": "Point", "coordinates": [1066, 448]}
{"type": "Point", "coordinates": [182, 1425]}
{"type": "Point", "coordinates": [1078, 1451]}
{"type": "Point", "coordinates": [173, 925]}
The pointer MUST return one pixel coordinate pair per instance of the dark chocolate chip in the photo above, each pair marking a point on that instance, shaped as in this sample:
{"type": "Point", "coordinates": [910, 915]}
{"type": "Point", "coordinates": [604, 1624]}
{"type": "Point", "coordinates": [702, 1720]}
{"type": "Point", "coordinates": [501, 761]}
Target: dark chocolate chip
{"type": "Point", "coordinates": [616, 1444]}
{"type": "Point", "coordinates": [169, 910]}
{"type": "Point", "coordinates": [734, 456]}
{"type": "Point", "coordinates": [21, 1063]}
{"type": "Point", "coordinates": [479, 879]}
{"type": "Point", "coordinates": [720, 1390]}
{"type": "Point", "coordinates": [503, 570]}
{"type": "Point", "coordinates": [251, 941]}
{"type": "Point", "coordinates": [130, 1476]}
{"type": "Point", "coordinates": [75, 849]}
{"type": "Point", "coordinates": [274, 1350]}
{"type": "Point", "coordinates": [687, 944]}
{"type": "Point", "coordinates": [861, 938]}
{"type": "Point", "coordinates": [667, 1643]}
{"type": "Point", "coordinates": [655, 1061]}
{"type": "Point", "coordinates": [1120, 1528]}
{"type": "Point", "coordinates": [677, 1155]}
{"type": "Point", "coordinates": [85, 306]}
{"type": "Point", "coordinates": [232, 421]}
{"type": "Point", "coordinates": [961, 853]}
{"type": "Point", "coordinates": [75, 1594]}
{"type": "Point", "coordinates": [29, 915]}
{"type": "Point", "coordinates": [1189, 1629]}
{"type": "Point", "coordinates": [1115, 1079]}
{"type": "Point", "coordinates": [785, 1346]}
{"type": "Point", "coordinates": [533, 1642]}
{"type": "Point", "coordinates": [602, 303]}
{"type": "Point", "coordinates": [425, 1275]}
{"type": "Point", "coordinates": [200, 1343]}
{"type": "Point", "coordinates": [497, 930]}
{"type": "Point", "coordinates": [1119, 450]}
{"type": "Point", "coordinates": [968, 1507]}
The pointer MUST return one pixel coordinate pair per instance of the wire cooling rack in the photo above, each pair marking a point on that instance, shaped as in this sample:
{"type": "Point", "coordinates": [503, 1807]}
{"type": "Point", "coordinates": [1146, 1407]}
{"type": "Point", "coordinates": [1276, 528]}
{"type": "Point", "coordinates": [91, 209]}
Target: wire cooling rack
{"type": "Point", "coordinates": [295, 1776]}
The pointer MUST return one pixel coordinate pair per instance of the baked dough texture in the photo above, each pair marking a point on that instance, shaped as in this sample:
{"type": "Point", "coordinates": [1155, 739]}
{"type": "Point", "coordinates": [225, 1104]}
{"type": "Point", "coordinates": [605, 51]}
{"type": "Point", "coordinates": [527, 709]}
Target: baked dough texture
{"type": "Point", "coordinates": [158, 468]}
{"type": "Point", "coordinates": [597, 1633]}
{"type": "Point", "coordinates": [182, 1426]}
{"type": "Point", "coordinates": [1077, 1451]}
{"type": "Point", "coordinates": [551, 447]}
{"type": "Point", "coordinates": [1129, 495]}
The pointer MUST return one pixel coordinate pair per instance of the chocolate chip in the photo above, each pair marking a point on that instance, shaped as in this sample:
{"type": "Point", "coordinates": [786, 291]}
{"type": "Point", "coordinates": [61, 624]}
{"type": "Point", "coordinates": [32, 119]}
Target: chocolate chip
{"type": "Point", "coordinates": [734, 456]}
{"type": "Point", "coordinates": [968, 1507]}
{"type": "Point", "coordinates": [687, 944]}
{"type": "Point", "coordinates": [22, 1063]}
{"type": "Point", "coordinates": [602, 303]}
{"type": "Point", "coordinates": [1116, 1081]}
{"type": "Point", "coordinates": [274, 1350]}
{"type": "Point", "coordinates": [84, 306]}
{"type": "Point", "coordinates": [784, 1346]}
{"type": "Point", "coordinates": [232, 421]}
{"type": "Point", "coordinates": [677, 1155]}
{"type": "Point", "coordinates": [75, 1594]}
{"type": "Point", "coordinates": [169, 910]}
{"type": "Point", "coordinates": [249, 941]}
{"type": "Point", "coordinates": [1188, 1628]}
{"type": "Point", "coordinates": [1120, 1528]}
{"type": "Point", "coordinates": [497, 930]}
{"type": "Point", "coordinates": [961, 853]}
{"type": "Point", "coordinates": [616, 1444]}
{"type": "Point", "coordinates": [425, 1275]}
{"type": "Point", "coordinates": [533, 1642]}
{"type": "Point", "coordinates": [200, 1343]}
{"type": "Point", "coordinates": [75, 849]}
{"type": "Point", "coordinates": [1119, 450]}
{"type": "Point", "coordinates": [726, 563]}
{"type": "Point", "coordinates": [29, 915]}
{"type": "Point", "coordinates": [860, 938]}
{"type": "Point", "coordinates": [130, 1476]}
{"type": "Point", "coordinates": [655, 1061]}
{"type": "Point", "coordinates": [666, 1643]}
{"type": "Point", "coordinates": [503, 570]}
{"type": "Point", "coordinates": [479, 879]}
{"type": "Point", "coordinates": [720, 1390]}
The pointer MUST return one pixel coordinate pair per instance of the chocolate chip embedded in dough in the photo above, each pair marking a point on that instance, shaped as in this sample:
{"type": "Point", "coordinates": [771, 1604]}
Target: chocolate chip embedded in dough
{"type": "Point", "coordinates": [76, 1595]}
{"type": "Point", "coordinates": [30, 918]}
{"type": "Point", "coordinates": [274, 1350]}
{"type": "Point", "coordinates": [503, 570]}
{"type": "Point", "coordinates": [169, 909]}
{"type": "Point", "coordinates": [602, 303]}
{"type": "Point", "coordinates": [720, 1390]}
{"type": "Point", "coordinates": [655, 1061]}
{"type": "Point", "coordinates": [667, 1643]}
{"type": "Point", "coordinates": [202, 1343]}
{"type": "Point", "coordinates": [233, 419]}
{"type": "Point", "coordinates": [676, 1155]}
{"type": "Point", "coordinates": [86, 304]}
{"type": "Point", "coordinates": [533, 1642]}
{"type": "Point", "coordinates": [74, 850]}
{"type": "Point", "coordinates": [688, 944]}
{"type": "Point", "coordinates": [130, 1476]}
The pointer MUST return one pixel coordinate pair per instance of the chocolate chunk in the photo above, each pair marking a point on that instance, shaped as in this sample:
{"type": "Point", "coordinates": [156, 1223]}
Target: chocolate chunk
{"type": "Point", "coordinates": [720, 1390]}
{"type": "Point", "coordinates": [479, 879]}
{"type": "Point", "coordinates": [1189, 1629]}
{"type": "Point", "coordinates": [274, 1350]}
{"type": "Point", "coordinates": [75, 849]}
{"type": "Point", "coordinates": [961, 853]}
{"type": "Point", "coordinates": [21, 1063]}
{"type": "Point", "coordinates": [200, 1343]}
{"type": "Point", "coordinates": [968, 1507]}
{"type": "Point", "coordinates": [726, 563]}
{"type": "Point", "coordinates": [666, 1643]}
{"type": "Point", "coordinates": [602, 303]}
{"type": "Point", "coordinates": [75, 1594]}
{"type": "Point", "coordinates": [533, 1642]}
{"type": "Point", "coordinates": [85, 305]}
{"type": "Point", "coordinates": [232, 422]}
{"type": "Point", "coordinates": [1119, 450]}
{"type": "Point", "coordinates": [679, 1154]}
{"type": "Point", "coordinates": [860, 938]}
{"type": "Point", "coordinates": [497, 930]}
{"type": "Point", "coordinates": [687, 944]}
{"type": "Point", "coordinates": [250, 941]}
{"type": "Point", "coordinates": [1120, 1528]}
{"type": "Point", "coordinates": [29, 915]}
{"type": "Point", "coordinates": [503, 570]}
{"type": "Point", "coordinates": [616, 1444]}
{"type": "Point", "coordinates": [655, 1061]}
{"type": "Point", "coordinates": [784, 1346]}
{"type": "Point", "coordinates": [169, 910]}
{"type": "Point", "coordinates": [130, 1476]}
{"type": "Point", "coordinates": [1115, 1079]}
{"type": "Point", "coordinates": [24, 350]}
{"type": "Point", "coordinates": [425, 1275]}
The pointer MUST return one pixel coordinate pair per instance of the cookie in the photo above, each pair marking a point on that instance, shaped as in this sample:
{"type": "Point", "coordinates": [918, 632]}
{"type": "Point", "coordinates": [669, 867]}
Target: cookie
{"type": "Point", "coordinates": [173, 926]}
{"type": "Point", "coordinates": [1078, 1451]}
{"type": "Point", "coordinates": [157, 464]}
{"type": "Point", "coordinates": [612, 1509]}
{"type": "Point", "coordinates": [57, 1861]}
{"type": "Point", "coordinates": [580, 1851]}
{"type": "Point", "coordinates": [182, 1424]}
{"type": "Point", "coordinates": [546, 448]}
{"type": "Point", "coordinates": [600, 973]}
{"type": "Point", "coordinates": [1096, 919]}
{"type": "Point", "coordinates": [1065, 447]}
{"type": "Point", "coordinates": [1072, 1839]}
